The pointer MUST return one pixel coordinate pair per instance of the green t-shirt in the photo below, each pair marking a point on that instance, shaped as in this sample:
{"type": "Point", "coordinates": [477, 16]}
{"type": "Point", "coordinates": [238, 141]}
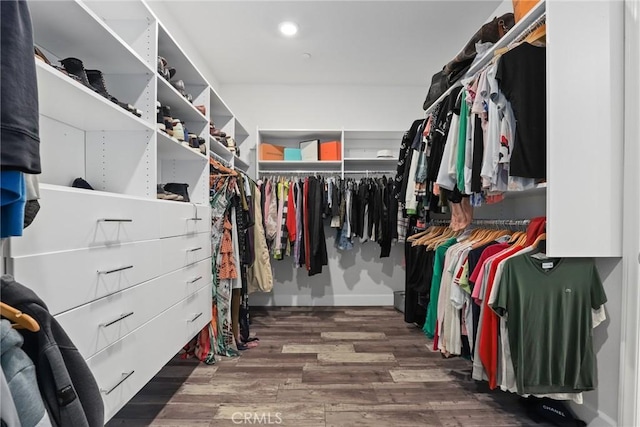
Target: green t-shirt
{"type": "Point", "coordinates": [548, 305]}
{"type": "Point", "coordinates": [462, 142]}
{"type": "Point", "coordinates": [429, 327]}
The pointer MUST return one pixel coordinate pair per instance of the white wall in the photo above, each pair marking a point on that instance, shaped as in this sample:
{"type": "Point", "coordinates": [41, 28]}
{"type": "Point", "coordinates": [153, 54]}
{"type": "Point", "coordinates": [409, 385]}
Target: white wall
{"type": "Point", "coordinates": [357, 277]}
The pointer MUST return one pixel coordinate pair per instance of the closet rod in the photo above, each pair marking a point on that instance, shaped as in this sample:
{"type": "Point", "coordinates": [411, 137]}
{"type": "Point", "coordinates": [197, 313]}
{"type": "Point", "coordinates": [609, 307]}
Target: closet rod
{"type": "Point", "coordinates": [504, 222]}
{"type": "Point", "coordinates": [299, 172]}
{"type": "Point", "coordinates": [514, 34]}
{"type": "Point", "coordinates": [221, 159]}
{"type": "Point", "coordinates": [372, 172]}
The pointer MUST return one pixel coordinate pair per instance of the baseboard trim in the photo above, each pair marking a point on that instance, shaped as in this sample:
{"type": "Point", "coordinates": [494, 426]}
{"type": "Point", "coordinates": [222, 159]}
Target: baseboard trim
{"type": "Point", "coordinates": [592, 416]}
{"type": "Point", "coordinates": [271, 300]}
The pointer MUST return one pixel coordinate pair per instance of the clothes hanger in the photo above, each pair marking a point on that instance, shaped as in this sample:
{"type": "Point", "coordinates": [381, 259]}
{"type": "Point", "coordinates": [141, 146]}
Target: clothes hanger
{"type": "Point", "coordinates": [540, 238]}
{"type": "Point", "coordinates": [20, 320]}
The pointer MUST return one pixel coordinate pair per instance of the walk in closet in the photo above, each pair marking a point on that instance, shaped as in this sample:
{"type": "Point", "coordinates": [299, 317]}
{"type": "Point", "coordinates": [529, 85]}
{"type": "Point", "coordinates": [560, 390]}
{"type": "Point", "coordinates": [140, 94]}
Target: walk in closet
{"type": "Point", "coordinates": [237, 214]}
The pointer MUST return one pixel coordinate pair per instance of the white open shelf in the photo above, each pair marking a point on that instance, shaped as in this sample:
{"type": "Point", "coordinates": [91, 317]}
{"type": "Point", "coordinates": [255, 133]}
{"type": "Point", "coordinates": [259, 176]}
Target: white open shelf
{"type": "Point", "coordinates": [169, 49]}
{"type": "Point", "coordinates": [68, 101]}
{"type": "Point", "coordinates": [169, 148]}
{"type": "Point", "coordinates": [218, 148]}
{"type": "Point", "coordinates": [241, 133]}
{"type": "Point", "coordinates": [70, 29]}
{"type": "Point", "coordinates": [537, 190]}
{"type": "Point", "coordinates": [218, 111]}
{"type": "Point", "coordinates": [390, 135]}
{"type": "Point", "coordinates": [180, 107]}
{"type": "Point", "coordinates": [240, 164]}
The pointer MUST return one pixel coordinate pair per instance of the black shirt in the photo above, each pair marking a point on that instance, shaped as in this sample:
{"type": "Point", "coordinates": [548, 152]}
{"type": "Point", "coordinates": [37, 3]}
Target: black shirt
{"type": "Point", "coordinates": [521, 75]}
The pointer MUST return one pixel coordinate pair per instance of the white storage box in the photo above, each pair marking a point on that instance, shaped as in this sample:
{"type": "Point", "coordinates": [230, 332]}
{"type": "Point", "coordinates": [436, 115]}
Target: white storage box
{"type": "Point", "coordinates": [309, 150]}
{"type": "Point", "coordinates": [398, 301]}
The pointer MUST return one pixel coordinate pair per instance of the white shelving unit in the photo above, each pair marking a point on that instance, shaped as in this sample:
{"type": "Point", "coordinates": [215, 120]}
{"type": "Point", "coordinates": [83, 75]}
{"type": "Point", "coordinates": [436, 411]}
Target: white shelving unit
{"type": "Point", "coordinates": [92, 255]}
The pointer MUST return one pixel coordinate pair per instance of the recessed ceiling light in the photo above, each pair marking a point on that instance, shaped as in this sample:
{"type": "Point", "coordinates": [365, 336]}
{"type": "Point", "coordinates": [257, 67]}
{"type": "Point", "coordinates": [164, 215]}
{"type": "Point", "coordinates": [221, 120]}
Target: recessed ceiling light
{"type": "Point", "coordinates": [288, 29]}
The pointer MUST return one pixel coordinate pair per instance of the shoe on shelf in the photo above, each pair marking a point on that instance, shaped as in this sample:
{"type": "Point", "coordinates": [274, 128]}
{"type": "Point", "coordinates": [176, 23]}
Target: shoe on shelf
{"type": "Point", "coordinates": [42, 57]}
{"type": "Point", "coordinates": [213, 131]}
{"type": "Point", "coordinates": [76, 67]}
{"type": "Point", "coordinates": [178, 130]}
{"type": "Point", "coordinates": [202, 109]}
{"type": "Point", "coordinates": [164, 70]}
{"type": "Point", "coordinates": [159, 118]}
{"type": "Point", "coordinates": [96, 79]}
{"type": "Point", "coordinates": [81, 183]}
{"type": "Point", "coordinates": [202, 145]}
{"type": "Point", "coordinates": [179, 189]}
{"type": "Point", "coordinates": [165, 195]}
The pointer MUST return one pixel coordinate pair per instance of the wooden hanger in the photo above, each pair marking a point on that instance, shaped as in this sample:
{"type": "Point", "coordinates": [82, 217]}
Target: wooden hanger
{"type": "Point", "coordinates": [540, 238]}
{"type": "Point", "coordinates": [20, 320]}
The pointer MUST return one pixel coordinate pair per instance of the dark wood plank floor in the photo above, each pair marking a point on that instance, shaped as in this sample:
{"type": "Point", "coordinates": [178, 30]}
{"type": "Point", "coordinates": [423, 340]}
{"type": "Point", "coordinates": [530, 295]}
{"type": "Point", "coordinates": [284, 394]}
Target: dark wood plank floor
{"type": "Point", "coordinates": [338, 367]}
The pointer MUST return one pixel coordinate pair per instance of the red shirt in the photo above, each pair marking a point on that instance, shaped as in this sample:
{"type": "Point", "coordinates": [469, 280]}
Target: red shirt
{"type": "Point", "coordinates": [489, 334]}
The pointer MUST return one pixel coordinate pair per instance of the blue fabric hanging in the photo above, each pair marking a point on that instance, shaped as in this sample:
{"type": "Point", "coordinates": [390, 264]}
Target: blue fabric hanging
{"type": "Point", "coordinates": [13, 199]}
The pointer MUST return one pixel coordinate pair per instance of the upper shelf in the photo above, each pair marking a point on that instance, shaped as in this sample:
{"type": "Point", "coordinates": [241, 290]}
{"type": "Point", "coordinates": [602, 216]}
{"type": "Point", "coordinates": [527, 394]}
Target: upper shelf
{"type": "Point", "coordinates": [390, 135]}
{"type": "Point", "coordinates": [180, 107]}
{"type": "Point", "coordinates": [169, 148]}
{"type": "Point", "coordinates": [274, 135]}
{"type": "Point", "coordinates": [266, 165]}
{"type": "Point", "coordinates": [176, 58]}
{"type": "Point", "coordinates": [240, 164]}
{"type": "Point", "coordinates": [63, 99]}
{"type": "Point", "coordinates": [219, 149]}
{"type": "Point", "coordinates": [241, 133]}
{"type": "Point", "coordinates": [69, 29]}
{"type": "Point", "coordinates": [218, 109]}
{"type": "Point", "coordinates": [372, 161]}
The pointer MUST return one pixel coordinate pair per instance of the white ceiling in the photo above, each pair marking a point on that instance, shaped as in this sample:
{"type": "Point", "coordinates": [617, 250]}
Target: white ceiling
{"type": "Point", "coordinates": [351, 42]}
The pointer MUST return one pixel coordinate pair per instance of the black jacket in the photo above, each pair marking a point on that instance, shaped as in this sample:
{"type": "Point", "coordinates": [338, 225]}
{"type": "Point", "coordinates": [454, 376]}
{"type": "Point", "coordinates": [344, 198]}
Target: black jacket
{"type": "Point", "coordinates": [68, 388]}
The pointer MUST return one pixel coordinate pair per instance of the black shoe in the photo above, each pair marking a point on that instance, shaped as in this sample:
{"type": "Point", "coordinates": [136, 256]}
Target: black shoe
{"type": "Point", "coordinates": [179, 189]}
{"type": "Point", "coordinates": [96, 79]}
{"type": "Point", "coordinates": [81, 183]}
{"type": "Point", "coordinates": [74, 66]}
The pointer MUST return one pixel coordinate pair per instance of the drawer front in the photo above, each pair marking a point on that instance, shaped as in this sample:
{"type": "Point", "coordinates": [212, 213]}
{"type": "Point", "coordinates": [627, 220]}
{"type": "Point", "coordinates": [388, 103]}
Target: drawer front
{"type": "Point", "coordinates": [72, 219]}
{"type": "Point", "coordinates": [181, 251]}
{"type": "Point", "coordinates": [123, 368]}
{"type": "Point", "coordinates": [94, 326]}
{"type": "Point", "coordinates": [178, 219]}
{"type": "Point", "coordinates": [65, 280]}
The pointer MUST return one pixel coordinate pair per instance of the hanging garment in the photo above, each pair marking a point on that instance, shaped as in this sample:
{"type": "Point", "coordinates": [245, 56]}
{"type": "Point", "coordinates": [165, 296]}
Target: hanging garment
{"type": "Point", "coordinates": [19, 377]}
{"type": "Point", "coordinates": [259, 275]}
{"type": "Point", "coordinates": [317, 242]}
{"type": "Point", "coordinates": [13, 200]}
{"type": "Point", "coordinates": [8, 411]}
{"type": "Point", "coordinates": [68, 388]}
{"type": "Point", "coordinates": [272, 212]}
{"type": "Point", "coordinates": [19, 113]}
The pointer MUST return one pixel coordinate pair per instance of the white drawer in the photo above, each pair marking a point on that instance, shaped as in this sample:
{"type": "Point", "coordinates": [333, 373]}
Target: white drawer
{"type": "Point", "coordinates": [123, 368]}
{"type": "Point", "coordinates": [181, 251]}
{"type": "Point", "coordinates": [96, 325]}
{"type": "Point", "coordinates": [177, 219]}
{"type": "Point", "coordinates": [68, 279]}
{"type": "Point", "coordinates": [70, 219]}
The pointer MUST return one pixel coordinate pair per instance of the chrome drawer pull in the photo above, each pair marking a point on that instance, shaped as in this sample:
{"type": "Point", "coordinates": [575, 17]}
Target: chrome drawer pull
{"type": "Point", "coordinates": [194, 249]}
{"type": "Point", "coordinates": [195, 318]}
{"type": "Point", "coordinates": [125, 376]}
{"type": "Point", "coordinates": [122, 317]}
{"type": "Point", "coordinates": [115, 270]}
{"type": "Point", "coordinates": [194, 280]}
{"type": "Point", "coordinates": [194, 219]}
{"type": "Point", "coordinates": [115, 220]}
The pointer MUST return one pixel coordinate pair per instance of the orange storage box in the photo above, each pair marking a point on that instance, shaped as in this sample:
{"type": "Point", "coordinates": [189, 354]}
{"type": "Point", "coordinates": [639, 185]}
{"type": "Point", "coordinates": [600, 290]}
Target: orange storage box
{"type": "Point", "coordinates": [331, 150]}
{"type": "Point", "coordinates": [271, 152]}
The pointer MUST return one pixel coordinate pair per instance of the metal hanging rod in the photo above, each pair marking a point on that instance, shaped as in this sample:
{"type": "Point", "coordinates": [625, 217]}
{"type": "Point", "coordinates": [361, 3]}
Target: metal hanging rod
{"type": "Point", "coordinates": [372, 172]}
{"type": "Point", "coordinates": [499, 222]}
{"type": "Point", "coordinates": [220, 159]}
{"type": "Point", "coordinates": [520, 30]}
{"type": "Point", "coordinates": [299, 172]}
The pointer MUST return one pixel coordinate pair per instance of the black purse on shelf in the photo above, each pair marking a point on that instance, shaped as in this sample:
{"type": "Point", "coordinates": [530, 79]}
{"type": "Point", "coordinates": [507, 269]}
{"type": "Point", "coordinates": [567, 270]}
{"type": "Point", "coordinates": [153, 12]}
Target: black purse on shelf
{"type": "Point", "coordinates": [179, 189]}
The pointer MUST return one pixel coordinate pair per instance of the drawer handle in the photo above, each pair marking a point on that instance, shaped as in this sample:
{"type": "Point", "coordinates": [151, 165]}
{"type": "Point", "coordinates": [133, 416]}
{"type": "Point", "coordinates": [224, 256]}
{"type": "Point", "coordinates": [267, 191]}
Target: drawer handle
{"type": "Point", "coordinates": [194, 219]}
{"type": "Point", "coordinates": [115, 270]}
{"type": "Point", "coordinates": [195, 317]}
{"type": "Point", "coordinates": [194, 280]}
{"type": "Point", "coordinates": [115, 220]}
{"type": "Point", "coordinates": [194, 249]}
{"type": "Point", "coordinates": [122, 317]}
{"type": "Point", "coordinates": [125, 376]}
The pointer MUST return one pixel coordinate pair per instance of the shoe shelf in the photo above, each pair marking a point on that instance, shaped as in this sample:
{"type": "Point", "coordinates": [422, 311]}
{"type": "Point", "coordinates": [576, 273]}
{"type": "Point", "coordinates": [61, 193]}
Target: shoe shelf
{"type": "Point", "coordinates": [133, 22]}
{"type": "Point", "coordinates": [169, 49]}
{"type": "Point", "coordinates": [240, 164]}
{"type": "Point", "coordinates": [219, 149]}
{"type": "Point", "coordinates": [70, 29]}
{"type": "Point", "coordinates": [170, 148]}
{"type": "Point", "coordinates": [241, 133]}
{"type": "Point", "coordinates": [180, 107]}
{"type": "Point", "coordinates": [68, 101]}
{"type": "Point", "coordinates": [219, 112]}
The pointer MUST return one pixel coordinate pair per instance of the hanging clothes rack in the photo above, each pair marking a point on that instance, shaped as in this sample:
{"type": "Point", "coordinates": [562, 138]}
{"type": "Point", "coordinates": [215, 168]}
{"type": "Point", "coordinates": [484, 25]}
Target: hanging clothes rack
{"type": "Point", "coordinates": [529, 23]}
{"type": "Point", "coordinates": [221, 159]}
{"type": "Point", "coordinates": [486, 222]}
{"type": "Point", "coordinates": [299, 172]}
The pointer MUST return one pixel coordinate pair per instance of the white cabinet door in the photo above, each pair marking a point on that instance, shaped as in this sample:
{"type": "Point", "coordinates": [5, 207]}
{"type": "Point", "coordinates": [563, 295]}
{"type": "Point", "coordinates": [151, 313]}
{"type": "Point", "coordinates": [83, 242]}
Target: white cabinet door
{"type": "Point", "coordinates": [584, 128]}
